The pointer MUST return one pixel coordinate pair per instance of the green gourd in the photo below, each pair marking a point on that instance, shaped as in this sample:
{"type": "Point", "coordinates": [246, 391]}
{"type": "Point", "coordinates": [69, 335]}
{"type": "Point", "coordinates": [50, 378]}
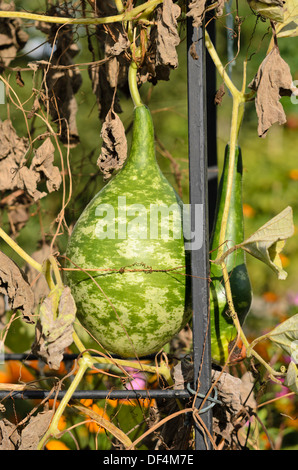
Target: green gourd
{"type": "Point", "coordinates": [137, 300]}
{"type": "Point", "coordinates": [223, 331]}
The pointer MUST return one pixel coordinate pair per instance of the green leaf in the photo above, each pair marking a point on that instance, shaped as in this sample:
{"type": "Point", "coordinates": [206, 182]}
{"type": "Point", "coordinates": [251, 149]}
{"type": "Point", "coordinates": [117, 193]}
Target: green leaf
{"type": "Point", "coordinates": [272, 9]}
{"type": "Point", "coordinates": [291, 380]}
{"type": "Point", "coordinates": [289, 26]}
{"type": "Point", "coordinates": [268, 241]}
{"type": "Point", "coordinates": [285, 335]}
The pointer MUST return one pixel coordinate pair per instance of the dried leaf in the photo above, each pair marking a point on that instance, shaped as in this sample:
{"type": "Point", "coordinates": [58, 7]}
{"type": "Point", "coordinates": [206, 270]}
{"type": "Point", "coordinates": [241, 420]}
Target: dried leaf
{"type": "Point", "coordinates": [286, 336]}
{"type": "Point", "coordinates": [114, 148]}
{"type": "Point", "coordinates": [14, 174]}
{"type": "Point", "coordinates": [104, 92]}
{"type": "Point", "coordinates": [268, 241]}
{"type": "Point", "coordinates": [38, 283]}
{"type": "Point", "coordinates": [291, 379]}
{"type": "Point", "coordinates": [196, 12]}
{"type": "Point", "coordinates": [9, 437]}
{"type": "Point", "coordinates": [234, 393]}
{"type": "Point", "coordinates": [13, 283]}
{"type": "Point", "coordinates": [54, 328]}
{"type": "Point", "coordinates": [42, 164]}
{"type": "Point", "coordinates": [12, 37]}
{"type": "Point", "coordinates": [289, 26]}
{"type": "Point", "coordinates": [34, 430]}
{"type": "Point", "coordinates": [12, 155]}
{"type": "Point", "coordinates": [167, 35]}
{"type": "Point", "coordinates": [220, 7]}
{"type": "Point", "coordinates": [271, 82]}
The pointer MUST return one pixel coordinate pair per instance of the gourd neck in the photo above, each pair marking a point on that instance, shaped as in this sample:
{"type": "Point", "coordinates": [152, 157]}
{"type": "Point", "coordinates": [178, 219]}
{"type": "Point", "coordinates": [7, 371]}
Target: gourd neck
{"type": "Point", "coordinates": [142, 152]}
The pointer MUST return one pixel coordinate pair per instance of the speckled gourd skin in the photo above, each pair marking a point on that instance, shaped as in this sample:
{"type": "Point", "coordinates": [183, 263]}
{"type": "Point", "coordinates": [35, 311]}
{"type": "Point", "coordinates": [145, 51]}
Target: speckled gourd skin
{"type": "Point", "coordinates": [222, 326]}
{"type": "Point", "coordinates": [132, 313]}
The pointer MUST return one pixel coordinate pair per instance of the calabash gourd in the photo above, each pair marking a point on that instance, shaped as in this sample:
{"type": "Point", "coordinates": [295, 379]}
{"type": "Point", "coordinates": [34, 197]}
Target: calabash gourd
{"type": "Point", "coordinates": [136, 301]}
{"type": "Point", "coordinates": [223, 331]}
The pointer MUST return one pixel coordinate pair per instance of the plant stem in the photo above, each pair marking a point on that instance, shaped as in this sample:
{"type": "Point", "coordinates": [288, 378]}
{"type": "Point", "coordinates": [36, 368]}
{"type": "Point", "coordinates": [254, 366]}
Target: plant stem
{"type": "Point", "coordinates": [84, 364]}
{"type": "Point", "coordinates": [20, 251]}
{"type": "Point", "coordinates": [133, 86]}
{"type": "Point", "coordinates": [140, 10]}
{"type": "Point", "coordinates": [220, 68]}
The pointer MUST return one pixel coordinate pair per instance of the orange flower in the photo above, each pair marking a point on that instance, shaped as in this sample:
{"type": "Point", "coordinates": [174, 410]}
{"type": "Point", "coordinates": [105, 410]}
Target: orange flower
{"type": "Point", "coordinates": [248, 211]}
{"type": "Point", "coordinates": [5, 376]}
{"type": "Point", "coordinates": [19, 372]}
{"type": "Point", "coordinates": [270, 296]}
{"type": "Point", "coordinates": [56, 445]}
{"type": "Point", "coordinates": [92, 425]}
{"type": "Point", "coordinates": [293, 174]}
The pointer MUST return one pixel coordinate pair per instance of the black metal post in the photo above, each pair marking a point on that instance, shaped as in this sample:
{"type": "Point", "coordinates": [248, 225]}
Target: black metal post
{"type": "Point", "coordinates": [198, 180]}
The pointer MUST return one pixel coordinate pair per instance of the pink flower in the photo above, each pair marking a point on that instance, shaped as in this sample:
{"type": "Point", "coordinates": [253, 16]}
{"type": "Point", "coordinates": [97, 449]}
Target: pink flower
{"type": "Point", "coordinates": [139, 379]}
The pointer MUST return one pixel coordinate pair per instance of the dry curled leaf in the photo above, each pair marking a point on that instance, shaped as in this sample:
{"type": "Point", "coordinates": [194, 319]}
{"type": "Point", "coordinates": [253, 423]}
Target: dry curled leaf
{"type": "Point", "coordinates": [42, 164]}
{"type": "Point", "coordinates": [13, 437]}
{"type": "Point", "coordinates": [54, 328]}
{"type": "Point", "coordinates": [12, 37]}
{"type": "Point", "coordinates": [196, 12]}
{"type": "Point", "coordinates": [13, 283]}
{"type": "Point", "coordinates": [12, 155]}
{"type": "Point", "coordinates": [15, 174]}
{"type": "Point", "coordinates": [114, 148]}
{"type": "Point", "coordinates": [34, 430]}
{"type": "Point", "coordinates": [9, 438]}
{"type": "Point", "coordinates": [272, 81]}
{"type": "Point", "coordinates": [167, 34]}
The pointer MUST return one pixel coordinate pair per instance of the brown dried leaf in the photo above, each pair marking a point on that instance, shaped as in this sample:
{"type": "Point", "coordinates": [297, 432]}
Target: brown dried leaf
{"type": "Point", "coordinates": [54, 328]}
{"type": "Point", "coordinates": [12, 37]}
{"type": "Point", "coordinates": [114, 148]}
{"type": "Point", "coordinates": [167, 35]}
{"type": "Point", "coordinates": [103, 91]}
{"type": "Point", "coordinates": [42, 164]}
{"type": "Point", "coordinates": [13, 283]}
{"type": "Point", "coordinates": [234, 393]}
{"type": "Point", "coordinates": [34, 430]}
{"type": "Point", "coordinates": [9, 437]}
{"type": "Point", "coordinates": [196, 12]}
{"type": "Point", "coordinates": [12, 155]}
{"type": "Point", "coordinates": [220, 7]}
{"type": "Point", "coordinates": [14, 174]}
{"type": "Point", "coordinates": [38, 283]}
{"type": "Point", "coordinates": [273, 80]}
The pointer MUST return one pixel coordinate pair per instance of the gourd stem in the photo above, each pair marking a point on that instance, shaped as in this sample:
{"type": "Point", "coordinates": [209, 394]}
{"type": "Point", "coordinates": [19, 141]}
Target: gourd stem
{"type": "Point", "coordinates": [20, 251]}
{"type": "Point", "coordinates": [135, 13]}
{"type": "Point", "coordinates": [133, 86]}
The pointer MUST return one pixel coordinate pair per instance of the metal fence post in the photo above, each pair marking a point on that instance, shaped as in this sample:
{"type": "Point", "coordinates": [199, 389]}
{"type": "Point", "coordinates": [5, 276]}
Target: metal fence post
{"type": "Point", "coordinates": [198, 181]}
